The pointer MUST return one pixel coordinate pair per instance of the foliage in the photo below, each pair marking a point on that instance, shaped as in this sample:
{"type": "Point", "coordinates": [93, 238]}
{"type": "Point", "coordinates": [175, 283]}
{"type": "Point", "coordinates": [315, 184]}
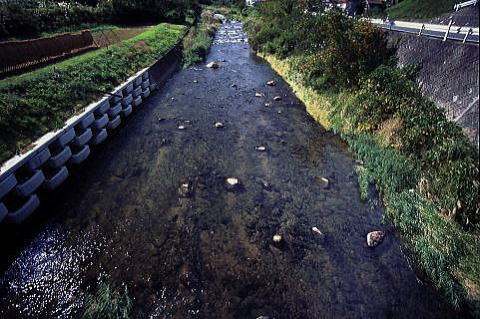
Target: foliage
{"type": "Point", "coordinates": [107, 304]}
{"type": "Point", "coordinates": [153, 10]}
{"type": "Point", "coordinates": [420, 9]}
{"type": "Point", "coordinates": [339, 55]}
{"type": "Point", "coordinates": [198, 41]}
{"type": "Point", "coordinates": [35, 103]}
{"type": "Point", "coordinates": [30, 18]}
{"type": "Point", "coordinates": [421, 131]}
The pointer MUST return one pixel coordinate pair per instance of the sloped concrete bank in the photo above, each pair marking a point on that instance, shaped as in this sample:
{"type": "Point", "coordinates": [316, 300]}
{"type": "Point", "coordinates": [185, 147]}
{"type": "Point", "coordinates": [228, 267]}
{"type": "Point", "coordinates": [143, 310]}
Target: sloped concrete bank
{"type": "Point", "coordinates": [449, 75]}
{"type": "Point", "coordinates": [46, 165]}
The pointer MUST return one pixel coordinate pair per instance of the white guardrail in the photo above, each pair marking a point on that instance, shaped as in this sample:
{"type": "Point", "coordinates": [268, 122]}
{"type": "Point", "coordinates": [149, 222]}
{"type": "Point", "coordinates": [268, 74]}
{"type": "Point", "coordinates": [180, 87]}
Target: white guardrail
{"type": "Point", "coordinates": [459, 6]}
{"type": "Point", "coordinates": [444, 32]}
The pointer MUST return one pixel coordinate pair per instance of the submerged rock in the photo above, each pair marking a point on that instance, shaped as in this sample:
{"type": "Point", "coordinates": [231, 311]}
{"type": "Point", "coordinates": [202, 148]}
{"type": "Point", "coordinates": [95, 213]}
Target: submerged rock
{"type": "Point", "coordinates": [233, 183]}
{"type": "Point", "coordinates": [375, 238]}
{"type": "Point", "coordinates": [261, 148]}
{"type": "Point", "coordinates": [277, 98]}
{"type": "Point", "coordinates": [181, 127]}
{"type": "Point", "coordinates": [258, 94]}
{"type": "Point", "coordinates": [271, 83]}
{"type": "Point", "coordinates": [219, 125]}
{"type": "Point", "coordinates": [277, 238]}
{"type": "Point", "coordinates": [212, 65]}
{"type": "Point", "coordinates": [185, 190]}
{"type": "Point", "coordinates": [268, 104]}
{"type": "Point", "coordinates": [324, 182]}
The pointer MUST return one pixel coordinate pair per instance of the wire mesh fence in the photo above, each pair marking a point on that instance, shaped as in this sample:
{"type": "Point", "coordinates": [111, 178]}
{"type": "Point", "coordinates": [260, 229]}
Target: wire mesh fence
{"type": "Point", "coordinates": [19, 56]}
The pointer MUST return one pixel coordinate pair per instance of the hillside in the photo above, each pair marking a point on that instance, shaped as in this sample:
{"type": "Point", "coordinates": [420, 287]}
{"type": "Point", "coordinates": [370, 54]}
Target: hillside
{"type": "Point", "coordinates": [420, 9]}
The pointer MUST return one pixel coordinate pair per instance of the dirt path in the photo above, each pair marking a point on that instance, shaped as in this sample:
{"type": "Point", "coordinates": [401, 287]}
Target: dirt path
{"type": "Point", "coordinates": [208, 252]}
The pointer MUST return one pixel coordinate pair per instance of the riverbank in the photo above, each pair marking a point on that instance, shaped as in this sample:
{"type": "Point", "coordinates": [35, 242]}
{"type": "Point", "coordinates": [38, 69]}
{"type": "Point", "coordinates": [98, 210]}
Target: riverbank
{"type": "Point", "coordinates": [447, 253]}
{"type": "Point", "coordinates": [35, 103]}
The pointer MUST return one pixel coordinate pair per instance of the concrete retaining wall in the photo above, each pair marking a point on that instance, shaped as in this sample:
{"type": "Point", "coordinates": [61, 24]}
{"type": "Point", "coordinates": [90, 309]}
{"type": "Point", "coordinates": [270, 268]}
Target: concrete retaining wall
{"type": "Point", "coordinates": [449, 76]}
{"type": "Point", "coordinates": [46, 165]}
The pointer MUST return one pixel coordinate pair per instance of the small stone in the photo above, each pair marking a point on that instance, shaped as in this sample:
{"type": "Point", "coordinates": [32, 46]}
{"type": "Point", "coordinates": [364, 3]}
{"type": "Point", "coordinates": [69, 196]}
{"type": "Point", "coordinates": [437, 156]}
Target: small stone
{"type": "Point", "coordinates": [268, 104]}
{"type": "Point", "coordinates": [232, 183]}
{"type": "Point", "coordinates": [261, 148]}
{"type": "Point", "coordinates": [195, 81]}
{"type": "Point", "coordinates": [375, 238]}
{"type": "Point", "coordinates": [271, 83]}
{"type": "Point", "coordinates": [324, 182]}
{"type": "Point", "coordinates": [266, 185]}
{"type": "Point", "coordinates": [317, 231]}
{"type": "Point", "coordinates": [277, 98]}
{"type": "Point", "coordinates": [185, 190]}
{"type": "Point", "coordinates": [187, 122]}
{"type": "Point", "coordinates": [161, 119]}
{"type": "Point", "coordinates": [359, 162]}
{"type": "Point", "coordinates": [181, 127]}
{"type": "Point", "coordinates": [173, 99]}
{"type": "Point", "coordinates": [259, 94]}
{"type": "Point", "coordinates": [279, 112]}
{"type": "Point", "coordinates": [212, 65]}
{"type": "Point", "coordinates": [219, 125]}
{"type": "Point", "coordinates": [277, 238]}
{"type": "Point", "coordinates": [233, 85]}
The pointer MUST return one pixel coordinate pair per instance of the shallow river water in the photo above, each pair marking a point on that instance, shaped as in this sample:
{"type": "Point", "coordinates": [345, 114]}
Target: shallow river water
{"type": "Point", "coordinates": [207, 251]}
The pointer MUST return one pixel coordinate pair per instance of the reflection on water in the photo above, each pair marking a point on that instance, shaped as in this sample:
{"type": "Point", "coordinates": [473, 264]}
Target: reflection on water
{"type": "Point", "coordinates": [205, 250]}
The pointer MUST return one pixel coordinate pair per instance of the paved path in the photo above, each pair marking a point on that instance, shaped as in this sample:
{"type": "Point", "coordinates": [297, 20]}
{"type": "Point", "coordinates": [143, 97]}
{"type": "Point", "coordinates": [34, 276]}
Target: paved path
{"type": "Point", "coordinates": [204, 251]}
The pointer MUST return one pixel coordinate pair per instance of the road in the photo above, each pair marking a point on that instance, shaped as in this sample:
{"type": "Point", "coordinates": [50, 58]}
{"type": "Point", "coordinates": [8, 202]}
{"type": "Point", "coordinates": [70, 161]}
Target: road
{"type": "Point", "coordinates": [152, 210]}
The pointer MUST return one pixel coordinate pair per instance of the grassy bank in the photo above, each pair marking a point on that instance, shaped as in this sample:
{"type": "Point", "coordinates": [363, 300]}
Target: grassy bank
{"type": "Point", "coordinates": [422, 163]}
{"type": "Point", "coordinates": [443, 249]}
{"type": "Point", "coordinates": [35, 103]}
{"type": "Point", "coordinates": [199, 39]}
{"type": "Point", "coordinates": [420, 9]}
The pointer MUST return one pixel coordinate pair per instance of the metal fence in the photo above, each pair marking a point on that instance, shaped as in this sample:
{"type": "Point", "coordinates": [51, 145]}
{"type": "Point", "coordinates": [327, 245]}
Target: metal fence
{"type": "Point", "coordinates": [444, 32]}
{"type": "Point", "coordinates": [18, 56]}
{"type": "Point", "coordinates": [465, 4]}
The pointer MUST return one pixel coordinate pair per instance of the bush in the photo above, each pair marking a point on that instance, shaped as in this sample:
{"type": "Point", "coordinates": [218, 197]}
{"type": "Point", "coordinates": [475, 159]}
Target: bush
{"type": "Point", "coordinates": [198, 41]}
{"type": "Point", "coordinates": [19, 18]}
{"type": "Point", "coordinates": [338, 54]}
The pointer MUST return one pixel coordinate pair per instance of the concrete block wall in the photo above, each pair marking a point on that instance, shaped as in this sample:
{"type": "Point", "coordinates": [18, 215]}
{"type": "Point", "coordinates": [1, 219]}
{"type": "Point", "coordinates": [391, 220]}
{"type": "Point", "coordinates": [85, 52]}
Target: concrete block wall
{"type": "Point", "coordinates": [46, 166]}
{"type": "Point", "coordinates": [449, 76]}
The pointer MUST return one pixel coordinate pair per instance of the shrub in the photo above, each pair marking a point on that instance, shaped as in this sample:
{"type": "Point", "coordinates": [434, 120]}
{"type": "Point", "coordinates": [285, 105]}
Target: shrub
{"type": "Point", "coordinates": [338, 54]}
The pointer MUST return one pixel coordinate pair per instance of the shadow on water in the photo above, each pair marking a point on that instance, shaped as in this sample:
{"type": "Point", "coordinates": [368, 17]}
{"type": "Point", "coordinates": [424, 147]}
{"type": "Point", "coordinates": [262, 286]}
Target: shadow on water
{"type": "Point", "coordinates": [204, 249]}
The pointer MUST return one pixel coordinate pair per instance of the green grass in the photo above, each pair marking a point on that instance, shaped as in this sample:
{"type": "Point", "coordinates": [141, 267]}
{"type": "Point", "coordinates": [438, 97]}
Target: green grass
{"type": "Point", "coordinates": [445, 251]}
{"type": "Point", "coordinates": [420, 9]}
{"type": "Point", "coordinates": [35, 103]}
{"type": "Point", "coordinates": [107, 303]}
{"type": "Point", "coordinates": [198, 41]}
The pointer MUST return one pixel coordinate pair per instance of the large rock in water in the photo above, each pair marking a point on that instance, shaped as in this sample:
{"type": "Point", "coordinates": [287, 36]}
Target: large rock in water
{"type": "Point", "coordinates": [375, 238]}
